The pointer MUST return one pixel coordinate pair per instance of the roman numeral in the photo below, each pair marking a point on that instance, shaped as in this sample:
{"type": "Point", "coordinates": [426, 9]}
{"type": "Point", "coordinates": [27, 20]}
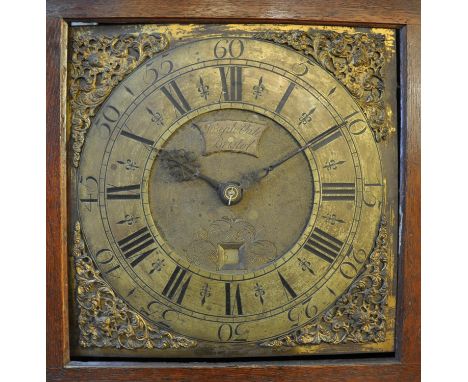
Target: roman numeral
{"type": "Point", "coordinates": [285, 97]}
{"type": "Point", "coordinates": [178, 99]}
{"type": "Point", "coordinates": [329, 135]}
{"type": "Point", "coordinates": [177, 285]}
{"type": "Point", "coordinates": [338, 191]}
{"type": "Point", "coordinates": [232, 88]}
{"type": "Point", "coordinates": [323, 245]}
{"type": "Point", "coordinates": [233, 305]}
{"type": "Point", "coordinates": [287, 288]}
{"type": "Point", "coordinates": [136, 245]}
{"type": "Point", "coordinates": [326, 137]}
{"type": "Point", "coordinates": [137, 138]}
{"type": "Point", "coordinates": [123, 192]}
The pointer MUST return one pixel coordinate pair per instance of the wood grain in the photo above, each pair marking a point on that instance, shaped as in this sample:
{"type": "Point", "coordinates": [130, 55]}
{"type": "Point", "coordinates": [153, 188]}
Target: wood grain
{"type": "Point", "coordinates": [409, 331]}
{"type": "Point", "coordinates": [346, 372]}
{"type": "Point", "coordinates": [56, 264]}
{"type": "Point", "coordinates": [405, 365]}
{"type": "Point", "coordinates": [351, 12]}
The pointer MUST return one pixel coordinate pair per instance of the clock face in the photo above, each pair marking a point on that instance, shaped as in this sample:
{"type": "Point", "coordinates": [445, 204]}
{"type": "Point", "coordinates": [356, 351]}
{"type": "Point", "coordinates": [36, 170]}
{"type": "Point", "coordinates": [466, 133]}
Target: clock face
{"type": "Point", "coordinates": [230, 190]}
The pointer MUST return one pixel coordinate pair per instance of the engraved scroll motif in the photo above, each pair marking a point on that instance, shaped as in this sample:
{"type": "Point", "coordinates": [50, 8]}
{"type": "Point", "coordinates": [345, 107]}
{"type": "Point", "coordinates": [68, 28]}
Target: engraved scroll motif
{"type": "Point", "coordinates": [358, 316]}
{"type": "Point", "coordinates": [107, 321]}
{"type": "Point", "coordinates": [357, 60]}
{"type": "Point", "coordinates": [98, 64]}
{"type": "Point", "coordinates": [230, 243]}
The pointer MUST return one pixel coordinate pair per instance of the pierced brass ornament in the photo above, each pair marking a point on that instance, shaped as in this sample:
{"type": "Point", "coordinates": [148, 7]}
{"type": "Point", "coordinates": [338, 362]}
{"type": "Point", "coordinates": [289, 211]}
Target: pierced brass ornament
{"type": "Point", "coordinates": [355, 59]}
{"type": "Point", "coordinates": [98, 64]}
{"type": "Point", "coordinates": [105, 320]}
{"type": "Point", "coordinates": [358, 316]}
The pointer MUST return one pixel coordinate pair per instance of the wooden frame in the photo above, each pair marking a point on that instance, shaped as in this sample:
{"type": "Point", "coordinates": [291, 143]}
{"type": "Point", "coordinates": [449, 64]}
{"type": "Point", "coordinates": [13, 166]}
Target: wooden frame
{"type": "Point", "coordinates": [400, 14]}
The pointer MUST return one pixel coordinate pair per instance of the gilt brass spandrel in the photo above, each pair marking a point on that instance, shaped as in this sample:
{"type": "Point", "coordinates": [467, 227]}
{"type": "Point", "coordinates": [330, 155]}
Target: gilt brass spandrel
{"type": "Point", "coordinates": [105, 320]}
{"type": "Point", "coordinates": [235, 283]}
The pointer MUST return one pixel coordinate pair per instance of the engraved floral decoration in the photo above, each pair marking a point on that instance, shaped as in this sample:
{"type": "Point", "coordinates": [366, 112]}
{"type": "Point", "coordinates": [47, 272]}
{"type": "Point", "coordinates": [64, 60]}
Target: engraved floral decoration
{"type": "Point", "coordinates": [104, 319]}
{"type": "Point", "coordinates": [209, 244]}
{"type": "Point", "coordinates": [356, 59]}
{"type": "Point", "coordinates": [358, 316]}
{"type": "Point", "coordinates": [98, 64]}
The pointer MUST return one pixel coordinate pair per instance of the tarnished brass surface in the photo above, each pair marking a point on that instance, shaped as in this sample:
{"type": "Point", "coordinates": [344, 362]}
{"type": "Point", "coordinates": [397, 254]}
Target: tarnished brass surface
{"type": "Point", "coordinates": [105, 320]}
{"type": "Point", "coordinates": [230, 190]}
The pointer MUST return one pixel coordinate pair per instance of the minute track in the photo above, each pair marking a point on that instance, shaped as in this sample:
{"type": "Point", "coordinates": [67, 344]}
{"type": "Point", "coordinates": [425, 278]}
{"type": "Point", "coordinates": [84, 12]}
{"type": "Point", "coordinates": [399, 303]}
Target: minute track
{"type": "Point", "coordinates": [163, 135]}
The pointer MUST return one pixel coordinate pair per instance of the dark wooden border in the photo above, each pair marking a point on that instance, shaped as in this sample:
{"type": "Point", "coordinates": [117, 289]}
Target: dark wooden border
{"type": "Point", "coordinates": [401, 14]}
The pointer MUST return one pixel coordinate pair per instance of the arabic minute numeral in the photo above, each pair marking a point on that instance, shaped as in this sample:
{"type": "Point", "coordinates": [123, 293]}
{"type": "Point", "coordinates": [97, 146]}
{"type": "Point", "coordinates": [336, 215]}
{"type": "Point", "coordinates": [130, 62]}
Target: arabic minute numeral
{"type": "Point", "coordinates": [152, 75]}
{"type": "Point", "coordinates": [91, 185]}
{"type": "Point", "coordinates": [229, 48]}
{"type": "Point", "coordinates": [356, 126]}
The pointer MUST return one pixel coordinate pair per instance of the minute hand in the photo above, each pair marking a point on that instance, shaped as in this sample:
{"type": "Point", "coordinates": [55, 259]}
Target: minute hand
{"type": "Point", "coordinates": [259, 174]}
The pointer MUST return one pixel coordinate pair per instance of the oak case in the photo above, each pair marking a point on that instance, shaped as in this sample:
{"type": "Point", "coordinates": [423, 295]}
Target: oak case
{"type": "Point", "coordinates": [63, 295]}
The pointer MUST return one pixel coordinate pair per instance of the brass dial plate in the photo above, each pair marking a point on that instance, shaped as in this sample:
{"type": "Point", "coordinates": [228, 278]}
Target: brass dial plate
{"type": "Point", "coordinates": [231, 276]}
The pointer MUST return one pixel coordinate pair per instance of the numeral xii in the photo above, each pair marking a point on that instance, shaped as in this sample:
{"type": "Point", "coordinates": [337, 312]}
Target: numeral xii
{"type": "Point", "coordinates": [231, 82]}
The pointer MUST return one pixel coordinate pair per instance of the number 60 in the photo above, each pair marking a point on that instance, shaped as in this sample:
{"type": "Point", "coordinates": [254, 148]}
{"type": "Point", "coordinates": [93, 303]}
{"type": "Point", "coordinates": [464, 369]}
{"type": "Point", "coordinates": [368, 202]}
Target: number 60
{"type": "Point", "coordinates": [235, 48]}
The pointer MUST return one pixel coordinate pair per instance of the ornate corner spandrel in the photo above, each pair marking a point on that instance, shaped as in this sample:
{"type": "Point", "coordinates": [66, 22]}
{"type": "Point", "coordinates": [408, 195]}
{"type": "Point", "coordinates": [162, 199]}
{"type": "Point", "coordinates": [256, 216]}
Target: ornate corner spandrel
{"type": "Point", "coordinates": [355, 59]}
{"type": "Point", "coordinates": [358, 316]}
{"type": "Point", "coordinates": [98, 64]}
{"type": "Point", "coordinates": [107, 321]}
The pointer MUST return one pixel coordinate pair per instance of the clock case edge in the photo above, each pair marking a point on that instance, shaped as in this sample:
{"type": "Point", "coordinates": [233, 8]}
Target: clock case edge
{"type": "Point", "coordinates": [407, 356]}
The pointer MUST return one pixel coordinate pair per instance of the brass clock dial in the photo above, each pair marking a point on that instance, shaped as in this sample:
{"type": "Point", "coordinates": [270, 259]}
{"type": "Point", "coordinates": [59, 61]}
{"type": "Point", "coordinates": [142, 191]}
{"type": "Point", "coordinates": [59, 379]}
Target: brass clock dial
{"type": "Point", "coordinates": [230, 190]}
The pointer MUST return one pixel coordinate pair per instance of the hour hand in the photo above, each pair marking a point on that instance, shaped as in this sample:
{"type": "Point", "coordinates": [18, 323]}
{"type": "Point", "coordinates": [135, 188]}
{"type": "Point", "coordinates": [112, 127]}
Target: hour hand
{"type": "Point", "coordinates": [183, 165]}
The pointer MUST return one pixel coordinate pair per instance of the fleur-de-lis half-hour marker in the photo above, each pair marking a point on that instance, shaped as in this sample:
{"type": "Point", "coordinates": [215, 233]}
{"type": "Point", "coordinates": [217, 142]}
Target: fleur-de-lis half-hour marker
{"type": "Point", "coordinates": [259, 88]}
{"type": "Point", "coordinates": [203, 89]}
{"type": "Point", "coordinates": [305, 118]}
{"type": "Point", "coordinates": [332, 219]}
{"type": "Point", "coordinates": [259, 292]}
{"type": "Point", "coordinates": [333, 164]}
{"type": "Point", "coordinates": [128, 219]}
{"type": "Point", "coordinates": [129, 164]}
{"type": "Point", "coordinates": [205, 292]}
{"type": "Point", "coordinates": [157, 266]}
{"type": "Point", "coordinates": [156, 117]}
{"type": "Point", "coordinates": [305, 265]}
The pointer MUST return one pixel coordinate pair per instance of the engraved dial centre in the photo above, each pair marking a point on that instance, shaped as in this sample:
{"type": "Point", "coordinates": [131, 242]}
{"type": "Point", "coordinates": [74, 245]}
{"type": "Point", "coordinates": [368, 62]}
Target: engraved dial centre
{"type": "Point", "coordinates": [224, 225]}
